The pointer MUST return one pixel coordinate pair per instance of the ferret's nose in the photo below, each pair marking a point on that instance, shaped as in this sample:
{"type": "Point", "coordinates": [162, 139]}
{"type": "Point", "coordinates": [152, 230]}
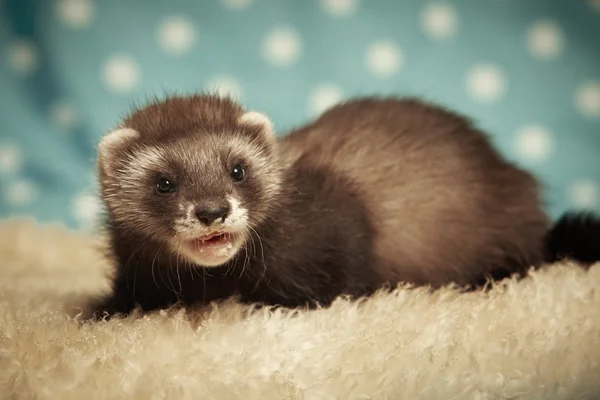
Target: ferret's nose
{"type": "Point", "coordinates": [208, 215]}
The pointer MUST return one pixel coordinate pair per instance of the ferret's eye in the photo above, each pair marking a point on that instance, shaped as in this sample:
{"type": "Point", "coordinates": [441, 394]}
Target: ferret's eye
{"type": "Point", "coordinates": [238, 173]}
{"type": "Point", "coordinates": [163, 185]}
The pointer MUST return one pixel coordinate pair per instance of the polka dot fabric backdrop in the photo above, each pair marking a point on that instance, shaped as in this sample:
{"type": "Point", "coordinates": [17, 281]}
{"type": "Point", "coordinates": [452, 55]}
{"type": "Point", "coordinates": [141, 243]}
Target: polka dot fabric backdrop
{"type": "Point", "coordinates": [528, 72]}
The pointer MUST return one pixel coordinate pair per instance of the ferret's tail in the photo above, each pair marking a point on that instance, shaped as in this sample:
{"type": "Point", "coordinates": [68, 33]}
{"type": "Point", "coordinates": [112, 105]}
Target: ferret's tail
{"type": "Point", "coordinates": [575, 236]}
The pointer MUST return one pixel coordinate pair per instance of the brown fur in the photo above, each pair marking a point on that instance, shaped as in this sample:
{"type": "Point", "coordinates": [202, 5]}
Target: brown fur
{"type": "Point", "coordinates": [373, 193]}
{"type": "Point", "coordinates": [446, 205]}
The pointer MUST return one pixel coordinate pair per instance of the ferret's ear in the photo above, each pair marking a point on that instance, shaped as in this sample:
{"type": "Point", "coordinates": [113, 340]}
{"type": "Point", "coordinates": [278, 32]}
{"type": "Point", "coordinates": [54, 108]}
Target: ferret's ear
{"type": "Point", "coordinates": [113, 141]}
{"type": "Point", "coordinates": [254, 118]}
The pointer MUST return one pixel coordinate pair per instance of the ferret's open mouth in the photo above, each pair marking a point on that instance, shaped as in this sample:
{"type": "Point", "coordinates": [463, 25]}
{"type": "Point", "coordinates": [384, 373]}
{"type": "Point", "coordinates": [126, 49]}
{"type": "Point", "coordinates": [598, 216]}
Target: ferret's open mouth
{"type": "Point", "coordinates": [213, 249]}
{"type": "Point", "coordinates": [213, 241]}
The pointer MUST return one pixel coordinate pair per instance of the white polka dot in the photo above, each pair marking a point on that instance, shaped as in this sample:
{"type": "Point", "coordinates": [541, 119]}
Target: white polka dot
{"type": "Point", "coordinates": [583, 194]}
{"type": "Point", "coordinates": [63, 114]}
{"type": "Point", "coordinates": [595, 5]}
{"type": "Point", "coordinates": [20, 193]}
{"type": "Point", "coordinates": [323, 97]}
{"type": "Point", "coordinates": [11, 158]}
{"type": "Point", "coordinates": [236, 5]}
{"type": "Point", "coordinates": [86, 208]}
{"type": "Point", "coordinates": [534, 143]}
{"type": "Point", "coordinates": [226, 85]}
{"type": "Point", "coordinates": [121, 73]}
{"type": "Point", "coordinates": [545, 40]}
{"type": "Point", "coordinates": [76, 14]}
{"type": "Point", "coordinates": [587, 99]}
{"type": "Point", "coordinates": [23, 56]}
{"type": "Point", "coordinates": [282, 47]}
{"type": "Point", "coordinates": [384, 58]}
{"type": "Point", "coordinates": [486, 83]}
{"type": "Point", "coordinates": [176, 35]}
{"type": "Point", "coordinates": [439, 20]}
{"type": "Point", "coordinates": [339, 8]}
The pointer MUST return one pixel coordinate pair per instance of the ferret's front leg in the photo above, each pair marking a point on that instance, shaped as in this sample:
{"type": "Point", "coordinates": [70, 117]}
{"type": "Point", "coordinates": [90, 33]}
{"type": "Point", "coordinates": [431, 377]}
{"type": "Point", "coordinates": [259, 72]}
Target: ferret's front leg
{"type": "Point", "coordinates": [118, 302]}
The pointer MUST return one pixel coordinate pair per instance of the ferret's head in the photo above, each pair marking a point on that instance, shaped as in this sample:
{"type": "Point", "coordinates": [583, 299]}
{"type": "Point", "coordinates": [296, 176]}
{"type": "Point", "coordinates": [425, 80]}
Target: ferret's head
{"type": "Point", "coordinates": [195, 173]}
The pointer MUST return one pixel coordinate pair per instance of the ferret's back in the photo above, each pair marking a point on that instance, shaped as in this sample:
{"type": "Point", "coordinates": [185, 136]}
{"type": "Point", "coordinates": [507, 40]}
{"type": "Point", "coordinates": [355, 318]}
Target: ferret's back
{"type": "Point", "coordinates": [444, 202]}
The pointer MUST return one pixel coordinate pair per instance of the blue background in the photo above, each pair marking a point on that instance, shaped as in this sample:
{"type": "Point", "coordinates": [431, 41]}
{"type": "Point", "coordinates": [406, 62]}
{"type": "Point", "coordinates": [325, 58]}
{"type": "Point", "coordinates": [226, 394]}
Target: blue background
{"type": "Point", "coordinates": [61, 89]}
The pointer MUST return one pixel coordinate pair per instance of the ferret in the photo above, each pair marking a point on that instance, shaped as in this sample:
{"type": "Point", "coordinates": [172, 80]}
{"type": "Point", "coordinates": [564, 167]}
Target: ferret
{"type": "Point", "coordinates": [205, 202]}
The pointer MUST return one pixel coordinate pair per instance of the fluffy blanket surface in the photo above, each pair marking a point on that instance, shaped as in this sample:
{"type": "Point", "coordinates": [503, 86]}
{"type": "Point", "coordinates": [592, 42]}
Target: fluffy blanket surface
{"type": "Point", "coordinates": [534, 339]}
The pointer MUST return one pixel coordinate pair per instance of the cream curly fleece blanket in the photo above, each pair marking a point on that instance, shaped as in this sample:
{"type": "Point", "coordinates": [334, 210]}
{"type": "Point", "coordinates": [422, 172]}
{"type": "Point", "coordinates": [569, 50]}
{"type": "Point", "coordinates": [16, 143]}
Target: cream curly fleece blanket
{"type": "Point", "coordinates": [534, 339]}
